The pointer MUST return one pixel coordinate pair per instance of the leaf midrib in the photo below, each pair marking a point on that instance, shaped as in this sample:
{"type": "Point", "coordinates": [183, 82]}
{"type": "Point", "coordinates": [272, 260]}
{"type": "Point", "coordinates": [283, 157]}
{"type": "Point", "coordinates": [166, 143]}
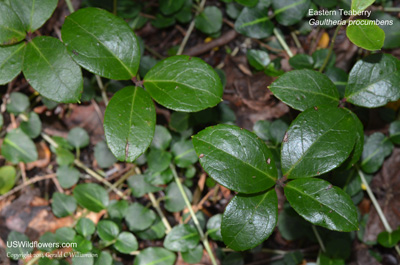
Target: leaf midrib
{"type": "Point", "coordinates": [278, 11]}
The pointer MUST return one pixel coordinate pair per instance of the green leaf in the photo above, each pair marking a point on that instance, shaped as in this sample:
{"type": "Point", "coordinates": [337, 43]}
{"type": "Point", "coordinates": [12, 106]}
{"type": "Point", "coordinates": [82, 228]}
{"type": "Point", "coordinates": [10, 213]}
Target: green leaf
{"type": "Point", "coordinates": [11, 28]}
{"type": "Point", "coordinates": [249, 3]}
{"type": "Point", "coordinates": [117, 209]}
{"type": "Point", "coordinates": [373, 81]}
{"type": "Point", "coordinates": [63, 205]}
{"type": "Point", "coordinates": [1, 121]}
{"type": "Point", "coordinates": [82, 245]}
{"type": "Point", "coordinates": [7, 178]}
{"type": "Point", "coordinates": [126, 243]}
{"type": "Point", "coordinates": [158, 160]}
{"type": "Point", "coordinates": [301, 61]}
{"type": "Point", "coordinates": [48, 242]}
{"type": "Point", "coordinates": [183, 83]}
{"type": "Point", "coordinates": [18, 147]}
{"type": "Point", "coordinates": [78, 138]}
{"type": "Point", "coordinates": [389, 240]}
{"type": "Point", "coordinates": [326, 3]}
{"type": "Point", "coordinates": [253, 22]}
{"type": "Point", "coordinates": [259, 59]}
{"type": "Point", "coordinates": [339, 77]}
{"type": "Point", "coordinates": [138, 217]}
{"type": "Point", "coordinates": [162, 22]}
{"type": "Point", "coordinates": [91, 196]}
{"type": "Point", "coordinates": [102, 43]}
{"type": "Point", "coordinates": [194, 255]}
{"type": "Point", "coordinates": [392, 37]}
{"type": "Point", "coordinates": [360, 5]}
{"type": "Point", "coordinates": [210, 20]}
{"type": "Point", "coordinates": [236, 158]}
{"type": "Point", "coordinates": [11, 62]}
{"type": "Point", "coordinates": [185, 14]}
{"type": "Point", "coordinates": [168, 7]}
{"type": "Point", "coordinates": [289, 12]}
{"type": "Point", "coordinates": [51, 71]}
{"type": "Point", "coordinates": [319, 57]}
{"type": "Point", "coordinates": [64, 157]}
{"type": "Point", "coordinates": [324, 259]}
{"type": "Point", "coordinates": [359, 144]}
{"type": "Point", "coordinates": [129, 123]}
{"type": "Point", "coordinates": [17, 103]}
{"type": "Point", "coordinates": [293, 258]}
{"type": "Point", "coordinates": [21, 248]}
{"type": "Point", "coordinates": [107, 230]}
{"type": "Point", "coordinates": [162, 138]}
{"type": "Point", "coordinates": [182, 238]}
{"type": "Point", "coordinates": [32, 14]}
{"type": "Point", "coordinates": [320, 203]}
{"type": "Point", "coordinates": [103, 155]}
{"type": "Point", "coordinates": [65, 234]}
{"type": "Point", "coordinates": [184, 153]}
{"type": "Point", "coordinates": [155, 256]}
{"type": "Point", "coordinates": [310, 146]}
{"type": "Point", "coordinates": [174, 201]}
{"type": "Point", "coordinates": [85, 227]}
{"type": "Point", "coordinates": [366, 34]}
{"type": "Point", "coordinates": [235, 258]}
{"type": "Point", "coordinates": [376, 148]}
{"type": "Point", "coordinates": [394, 131]}
{"type": "Point", "coordinates": [139, 186]}
{"type": "Point", "coordinates": [32, 127]}
{"type": "Point", "coordinates": [249, 219]}
{"type": "Point", "coordinates": [156, 231]}
{"type": "Point", "coordinates": [104, 258]}
{"type": "Point", "coordinates": [214, 227]}
{"type": "Point", "coordinates": [303, 89]}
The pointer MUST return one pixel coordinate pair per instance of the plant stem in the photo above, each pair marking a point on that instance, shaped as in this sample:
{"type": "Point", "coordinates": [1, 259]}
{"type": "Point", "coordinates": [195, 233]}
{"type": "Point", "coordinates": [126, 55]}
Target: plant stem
{"type": "Point", "coordinates": [190, 29]}
{"type": "Point", "coordinates": [103, 90]}
{"type": "Point", "coordinates": [194, 217]}
{"type": "Point", "coordinates": [156, 205]}
{"type": "Point", "coordinates": [391, 9]}
{"type": "Point", "coordinates": [70, 6]}
{"type": "Point", "coordinates": [320, 242]}
{"type": "Point", "coordinates": [282, 42]}
{"type": "Point", "coordinates": [330, 49]}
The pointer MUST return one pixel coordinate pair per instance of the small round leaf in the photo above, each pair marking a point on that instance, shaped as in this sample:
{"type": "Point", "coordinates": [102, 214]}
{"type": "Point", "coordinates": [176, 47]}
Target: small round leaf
{"type": "Point", "coordinates": [91, 196]}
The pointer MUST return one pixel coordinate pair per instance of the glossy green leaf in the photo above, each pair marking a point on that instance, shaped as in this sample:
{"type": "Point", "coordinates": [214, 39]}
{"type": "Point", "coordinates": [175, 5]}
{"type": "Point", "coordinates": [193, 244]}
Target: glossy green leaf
{"type": "Point", "coordinates": [310, 146]}
{"type": "Point", "coordinates": [389, 240]}
{"type": "Point", "coordinates": [155, 256]}
{"type": "Point", "coordinates": [126, 243]}
{"type": "Point", "coordinates": [51, 71]}
{"type": "Point", "coordinates": [22, 248]}
{"type": "Point", "coordinates": [182, 238]}
{"type": "Point", "coordinates": [138, 217]}
{"type": "Point", "coordinates": [11, 58]}
{"type": "Point", "coordinates": [392, 38]}
{"type": "Point", "coordinates": [129, 123]}
{"type": "Point", "coordinates": [373, 81]}
{"type": "Point", "coordinates": [11, 28]}
{"type": "Point", "coordinates": [366, 34]}
{"type": "Point", "coordinates": [184, 153]}
{"type": "Point", "coordinates": [18, 147]}
{"type": "Point", "coordinates": [107, 230]}
{"type": "Point", "coordinates": [85, 227]}
{"type": "Point", "coordinates": [184, 83]}
{"type": "Point", "coordinates": [33, 126]}
{"type": "Point", "coordinates": [174, 201]}
{"type": "Point", "coordinates": [102, 43]}
{"type": "Point", "coordinates": [32, 14]}
{"type": "Point", "coordinates": [210, 20]}
{"type": "Point", "coordinates": [259, 59]}
{"type": "Point", "coordinates": [7, 178]}
{"type": "Point", "coordinates": [162, 138]}
{"type": "Point", "coordinates": [359, 144]}
{"type": "Point", "coordinates": [320, 203]}
{"type": "Point", "coordinates": [17, 103]}
{"type": "Point", "coordinates": [139, 186]}
{"type": "Point", "coordinates": [168, 7]}
{"type": "Point", "coordinates": [78, 138]}
{"type": "Point", "coordinates": [63, 205]}
{"type": "Point", "coordinates": [394, 131]}
{"type": "Point", "coordinates": [360, 5]}
{"type": "Point", "coordinates": [253, 22]}
{"type": "Point", "coordinates": [249, 219]}
{"type": "Point", "coordinates": [235, 158]}
{"type": "Point", "coordinates": [289, 12]}
{"type": "Point", "coordinates": [194, 255]}
{"type": "Point", "coordinates": [376, 148]}
{"type": "Point", "coordinates": [303, 89]}
{"type": "Point", "coordinates": [103, 155]}
{"type": "Point", "coordinates": [214, 227]}
{"type": "Point", "coordinates": [91, 196]}
{"type": "Point", "coordinates": [301, 61]}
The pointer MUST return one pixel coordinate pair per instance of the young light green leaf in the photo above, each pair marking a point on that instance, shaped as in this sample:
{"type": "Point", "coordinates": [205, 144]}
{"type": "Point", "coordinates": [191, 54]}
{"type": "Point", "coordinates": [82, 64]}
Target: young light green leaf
{"type": "Point", "coordinates": [193, 256]}
{"type": "Point", "coordinates": [289, 12]}
{"type": "Point", "coordinates": [22, 248]}
{"type": "Point", "coordinates": [376, 148]}
{"type": "Point", "coordinates": [182, 238]}
{"type": "Point", "coordinates": [33, 126]}
{"type": "Point", "coordinates": [303, 89]}
{"type": "Point", "coordinates": [310, 146]}
{"type": "Point", "coordinates": [103, 155]}
{"type": "Point", "coordinates": [32, 14]}
{"type": "Point", "coordinates": [366, 34]}
{"type": "Point", "coordinates": [174, 201]}
{"type": "Point", "coordinates": [102, 43]}
{"type": "Point", "coordinates": [168, 7]}
{"type": "Point", "coordinates": [320, 203]}
{"type": "Point", "coordinates": [373, 81]}
{"type": "Point", "coordinates": [51, 71]}
{"type": "Point", "coordinates": [156, 256]}
{"type": "Point", "coordinates": [249, 219]}
{"type": "Point", "coordinates": [7, 178]}
{"type": "Point", "coordinates": [107, 230]}
{"type": "Point", "coordinates": [360, 5]}
{"type": "Point", "coordinates": [12, 29]}
{"type": "Point", "coordinates": [11, 61]}
{"type": "Point", "coordinates": [18, 147]}
{"type": "Point", "coordinates": [78, 138]}
{"type": "Point", "coordinates": [236, 158]}
{"type": "Point", "coordinates": [138, 217]}
{"type": "Point", "coordinates": [85, 227]}
{"type": "Point", "coordinates": [183, 83]}
{"type": "Point", "coordinates": [126, 243]}
{"type": "Point", "coordinates": [63, 205]}
{"type": "Point", "coordinates": [210, 20]}
{"type": "Point", "coordinates": [129, 123]}
{"type": "Point", "coordinates": [91, 196]}
{"type": "Point", "coordinates": [17, 103]}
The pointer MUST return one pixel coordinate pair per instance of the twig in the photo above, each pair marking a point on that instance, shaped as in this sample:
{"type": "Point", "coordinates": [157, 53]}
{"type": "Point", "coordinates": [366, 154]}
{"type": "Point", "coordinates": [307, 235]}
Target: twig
{"type": "Point", "coordinates": [283, 43]}
{"type": "Point", "coordinates": [320, 242]}
{"type": "Point", "coordinates": [156, 206]}
{"type": "Point", "coordinates": [330, 49]}
{"type": "Point", "coordinates": [202, 48]}
{"type": "Point", "coordinates": [70, 6]}
{"type": "Point", "coordinates": [103, 89]}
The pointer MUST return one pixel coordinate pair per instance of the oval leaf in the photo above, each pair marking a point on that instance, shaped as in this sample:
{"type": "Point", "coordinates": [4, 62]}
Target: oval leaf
{"type": "Point", "coordinates": [320, 203]}
{"type": "Point", "coordinates": [18, 147]}
{"type": "Point", "coordinates": [310, 146]}
{"type": "Point", "coordinates": [138, 217]}
{"type": "Point", "coordinates": [184, 83]}
{"type": "Point", "coordinates": [102, 43]}
{"type": "Point", "coordinates": [51, 71]}
{"type": "Point", "coordinates": [289, 12]}
{"type": "Point", "coordinates": [303, 89]}
{"type": "Point", "coordinates": [210, 20]}
{"type": "Point", "coordinates": [360, 5]}
{"type": "Point", "coordinates": [235, 158]}
{"type": "Point", "coordinates": [11, 62]}
{"type": "Point", "coordinates": [156, 256]}
{"type": "Point", "coordinates": [376, 147]}
{"type": "Point", "coordinates": [63, 205]}
{"type": "Point", "coordinates": [91, 196]}
{"type": "Point", "coordinates": [373, 81]}
{"type": "Point", "coordinates": [365, 34]}
{"type": "Point", "coordinates": [182, 238]}
{"type": "Point", "coordinates": [126, 243]}
{"type": "Point", "coordinates": [7, 178]}
{"type": "Point", "coordinates": [249, 219]}
{"type": "Point", "coordinates": [107, 230]}
{"type": "Point", "coordinates": [11, 28]}
{"type": "Point", "coordinates": [129, 123]}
